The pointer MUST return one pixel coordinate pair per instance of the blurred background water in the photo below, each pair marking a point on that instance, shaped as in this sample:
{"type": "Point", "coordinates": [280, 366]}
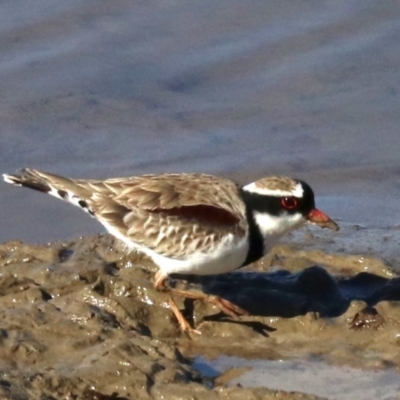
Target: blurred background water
{"type": "Point", "coordinates": [241, 89]}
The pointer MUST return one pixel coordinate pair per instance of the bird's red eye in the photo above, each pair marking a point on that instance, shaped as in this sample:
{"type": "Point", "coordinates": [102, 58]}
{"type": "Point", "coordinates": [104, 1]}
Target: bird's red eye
{"type": "Point", "coordinates": [289, 202]}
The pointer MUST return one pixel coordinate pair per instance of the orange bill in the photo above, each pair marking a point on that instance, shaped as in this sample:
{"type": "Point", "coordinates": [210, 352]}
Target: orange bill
{"type": "Point", "coordinates": [319, 218]}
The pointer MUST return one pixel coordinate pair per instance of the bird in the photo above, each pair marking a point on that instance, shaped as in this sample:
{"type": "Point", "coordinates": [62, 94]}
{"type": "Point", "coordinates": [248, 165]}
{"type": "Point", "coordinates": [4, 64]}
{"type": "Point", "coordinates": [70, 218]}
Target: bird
{"type": "Point", "coordinates": [189, 223]}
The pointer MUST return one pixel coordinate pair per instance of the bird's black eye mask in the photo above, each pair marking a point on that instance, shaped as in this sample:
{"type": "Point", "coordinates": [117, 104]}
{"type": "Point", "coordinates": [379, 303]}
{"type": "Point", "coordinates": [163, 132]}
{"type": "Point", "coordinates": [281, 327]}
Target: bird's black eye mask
{"type": "Point", "coordinates": [275, 205]}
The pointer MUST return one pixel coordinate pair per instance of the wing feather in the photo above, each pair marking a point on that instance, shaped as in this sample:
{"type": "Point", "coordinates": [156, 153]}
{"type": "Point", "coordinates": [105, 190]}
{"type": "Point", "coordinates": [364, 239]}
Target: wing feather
{"type": "Point", "coordinates": [172, 214]}
{"type": "Point", "coordinates": [191, 210]}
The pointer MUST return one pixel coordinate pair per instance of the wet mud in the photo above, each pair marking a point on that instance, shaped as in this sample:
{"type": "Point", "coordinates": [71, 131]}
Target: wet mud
{"type": "Point", "coordinates": [81, 320]}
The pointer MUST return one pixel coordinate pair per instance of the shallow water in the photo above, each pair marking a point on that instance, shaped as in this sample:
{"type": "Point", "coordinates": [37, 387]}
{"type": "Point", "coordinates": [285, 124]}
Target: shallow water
{"type": "Point", "coordinates": [105, 89]}
{"type": "Point", "coordinates": [327, 381]}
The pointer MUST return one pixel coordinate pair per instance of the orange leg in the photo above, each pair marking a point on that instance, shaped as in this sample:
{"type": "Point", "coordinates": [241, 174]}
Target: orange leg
{"type": "Point", "coordinates": [183, 322]}
{"type": "Point", "coordinates": [159, 280]}
{"type": "Point", "coordinates": [159, 284]}
{"type": "Point", "coordinates": [224, 305]}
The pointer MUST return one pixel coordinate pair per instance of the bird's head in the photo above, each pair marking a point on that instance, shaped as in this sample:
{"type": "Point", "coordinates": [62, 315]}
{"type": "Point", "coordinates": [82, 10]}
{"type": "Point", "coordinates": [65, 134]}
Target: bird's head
{"type": "Point", "coordinates": [281, 204]}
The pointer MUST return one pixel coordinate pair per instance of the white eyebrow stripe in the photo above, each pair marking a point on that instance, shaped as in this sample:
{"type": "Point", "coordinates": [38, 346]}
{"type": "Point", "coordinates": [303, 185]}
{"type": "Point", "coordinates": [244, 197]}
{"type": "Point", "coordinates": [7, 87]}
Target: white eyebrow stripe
{"type": "Point", "coordinates": [253, 188]}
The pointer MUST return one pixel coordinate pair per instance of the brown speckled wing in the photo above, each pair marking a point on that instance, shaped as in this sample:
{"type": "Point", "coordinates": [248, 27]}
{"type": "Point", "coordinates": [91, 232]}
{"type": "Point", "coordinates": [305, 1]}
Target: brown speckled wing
{"type": "Point", "coordinates": [173, 214]}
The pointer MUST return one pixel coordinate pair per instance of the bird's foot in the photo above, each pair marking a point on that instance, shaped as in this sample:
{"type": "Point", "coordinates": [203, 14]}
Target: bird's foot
{"type": "Point", "coordinates": [224, 305]}
{"type": "Point", "coordinates": [183, 322]}
{"type": "Point", "coordinates": [227, 307]}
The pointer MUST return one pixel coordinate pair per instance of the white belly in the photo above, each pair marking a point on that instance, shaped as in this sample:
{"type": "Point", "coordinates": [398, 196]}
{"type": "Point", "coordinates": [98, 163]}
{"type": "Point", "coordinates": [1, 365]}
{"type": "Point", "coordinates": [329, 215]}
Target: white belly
{"type": "Point", "coordinates": [228, 256]}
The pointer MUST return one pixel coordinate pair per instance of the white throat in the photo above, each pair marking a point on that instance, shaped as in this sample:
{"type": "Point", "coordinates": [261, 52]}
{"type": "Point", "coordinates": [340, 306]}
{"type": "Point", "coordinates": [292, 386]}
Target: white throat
{"type": "Point", "coordinates": [272, 227]}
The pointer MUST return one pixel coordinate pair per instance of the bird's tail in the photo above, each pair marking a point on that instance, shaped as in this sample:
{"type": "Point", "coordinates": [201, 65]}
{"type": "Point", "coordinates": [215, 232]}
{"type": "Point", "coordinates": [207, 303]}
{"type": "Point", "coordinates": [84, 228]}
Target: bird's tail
{"type": "Point", "coordinates": [55, 185]}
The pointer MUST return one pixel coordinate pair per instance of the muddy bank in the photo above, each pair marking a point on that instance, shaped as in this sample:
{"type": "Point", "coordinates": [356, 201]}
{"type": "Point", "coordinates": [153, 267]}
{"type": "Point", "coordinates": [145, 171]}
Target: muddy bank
{"type": "Point", "coordinates": [82, 320]}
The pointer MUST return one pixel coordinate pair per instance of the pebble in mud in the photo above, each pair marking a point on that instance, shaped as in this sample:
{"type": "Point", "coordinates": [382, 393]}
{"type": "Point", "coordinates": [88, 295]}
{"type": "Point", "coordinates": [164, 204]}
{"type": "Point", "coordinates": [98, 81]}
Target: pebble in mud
{"type": "Point", "coordinates": [367, 318]}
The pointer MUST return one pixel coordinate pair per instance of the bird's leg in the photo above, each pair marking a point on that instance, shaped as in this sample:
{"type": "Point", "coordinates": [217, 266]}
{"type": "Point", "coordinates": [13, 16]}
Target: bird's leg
{"type": "Point", "coordinates": [183, 322]}
{"type": "Point", "coordinates": [159, 284]}
{"type": "Point", "coordinates": [159, 280]}
{"type": "Point", "coordinates": [224, 305]}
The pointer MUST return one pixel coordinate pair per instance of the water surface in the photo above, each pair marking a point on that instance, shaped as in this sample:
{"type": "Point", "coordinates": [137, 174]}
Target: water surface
{"type": "Point", "coordinates": [101, 89]}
